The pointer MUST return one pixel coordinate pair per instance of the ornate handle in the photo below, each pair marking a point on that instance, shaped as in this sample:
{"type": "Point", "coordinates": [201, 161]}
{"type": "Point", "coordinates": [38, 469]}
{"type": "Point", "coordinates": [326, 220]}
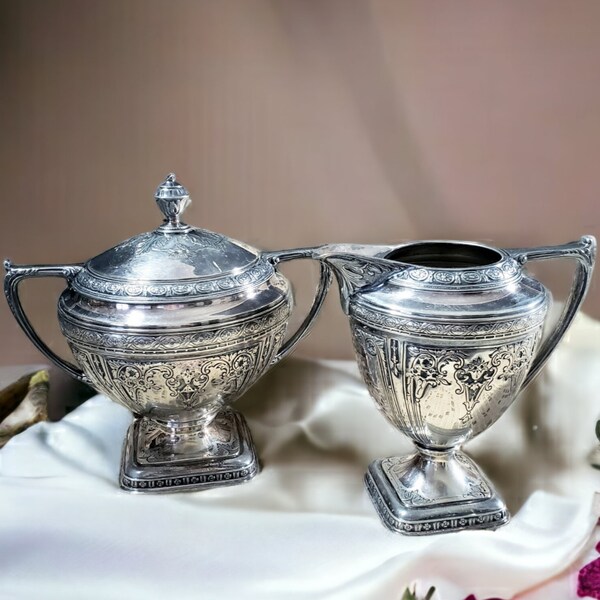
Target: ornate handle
{"type": "Point", "coordinates": [584, 252]}
{"type": "Point", "coordinates": [14, 275]}
{"type": "Point", "coordinates": [324, 282]}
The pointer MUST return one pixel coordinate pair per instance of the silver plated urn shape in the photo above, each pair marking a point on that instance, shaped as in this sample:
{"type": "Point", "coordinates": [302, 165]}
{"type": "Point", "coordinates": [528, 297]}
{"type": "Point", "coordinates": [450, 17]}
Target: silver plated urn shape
{"type": "Point", "coordinates": [446, 334]}
{"type": "Point", "coordinates": [175, 325]}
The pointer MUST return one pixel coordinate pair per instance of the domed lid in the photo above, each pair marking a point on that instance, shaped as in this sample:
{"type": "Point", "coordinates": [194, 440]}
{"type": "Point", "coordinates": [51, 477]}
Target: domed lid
{"type": "Point", "coordinates": [173, 262]}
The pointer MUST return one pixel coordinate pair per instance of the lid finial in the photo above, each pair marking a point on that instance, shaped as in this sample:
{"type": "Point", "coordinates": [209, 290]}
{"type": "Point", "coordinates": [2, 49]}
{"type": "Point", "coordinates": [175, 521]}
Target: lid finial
{"type": "Point", "coordinates": [172, 199]}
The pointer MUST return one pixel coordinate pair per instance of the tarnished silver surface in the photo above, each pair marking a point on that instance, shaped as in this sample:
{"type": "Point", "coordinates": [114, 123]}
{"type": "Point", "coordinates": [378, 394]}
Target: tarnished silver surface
{"type": "Point", "coordinates": [446, 334]}
{"type": "Point", "coordinates": [175, 324]}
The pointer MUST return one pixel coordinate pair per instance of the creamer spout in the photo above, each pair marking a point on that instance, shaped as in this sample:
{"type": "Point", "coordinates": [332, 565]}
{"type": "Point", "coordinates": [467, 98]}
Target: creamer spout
{"type": "Point", "coordinates": [356, 266]}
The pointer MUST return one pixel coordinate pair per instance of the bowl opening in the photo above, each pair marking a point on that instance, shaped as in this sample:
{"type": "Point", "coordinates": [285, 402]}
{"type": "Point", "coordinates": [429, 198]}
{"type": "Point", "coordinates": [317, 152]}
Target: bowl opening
{"type": "Point", "coordinates": [445, 255]}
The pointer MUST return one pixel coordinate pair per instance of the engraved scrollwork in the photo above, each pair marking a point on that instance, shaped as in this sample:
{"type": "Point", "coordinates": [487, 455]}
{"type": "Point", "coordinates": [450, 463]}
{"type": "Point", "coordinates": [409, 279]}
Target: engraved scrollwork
{"type": "Point", "coordinates": [353, 273]}
{"type": "Point", "coordinates": [432, 392]}
{"type": "Point", "coordinates": [473, 371]}
{"type": "Point", "coordinates": [359, 271]}
{"type": "Point", "coordinates": [170, 244]}
{"type": "Point", "coordinates": [445, 523]}
{"type": "Point", "coordinates": [367, 348]}
{"type": "Point", "coordinates": [473, 377]}
{"type": "Point", "coordinates": [477, 486]}
{"type": "Point", "coordinates": [516, 359]}
{"type": "Point", "coordinates": [427, 370]}
{"type": "Point", "coordinates": [219, 439]}
{"type": "Point", "coordinates": [370, 353]}
{"type": "Point", "coordinates": [203, 383]}
{"type": "Point", "coordinates": [393, 468]}
{"type": "Point", "coordinates": [188, 385]}
{"type": "Point", "coordinates": [87, 283]}
{"type": "Point", "coordinates": [478, 490]}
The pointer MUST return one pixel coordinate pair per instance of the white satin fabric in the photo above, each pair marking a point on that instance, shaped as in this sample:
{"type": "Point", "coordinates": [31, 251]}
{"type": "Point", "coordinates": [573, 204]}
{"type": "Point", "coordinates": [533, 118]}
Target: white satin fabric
{"type": "Point", "coordinates": [304, 527]}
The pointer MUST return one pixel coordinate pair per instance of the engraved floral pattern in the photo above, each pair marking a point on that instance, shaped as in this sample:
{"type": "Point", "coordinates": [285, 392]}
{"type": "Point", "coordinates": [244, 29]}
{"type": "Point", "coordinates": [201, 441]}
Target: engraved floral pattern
{"type": "Point", "coordinates": [434, 393]}
{"type": "Point", "coordinates": [171, 244]}
{"type": "Point", "coordinates": [427, 371]}
{"type": "Point", "coordinates": [219, 439]}
{"type": "Point", "coordinates": [475, 486]}
{"type": "Point", "coordinates": [473, 377]}
{"type": "Point", "coordinates": [202, 383]}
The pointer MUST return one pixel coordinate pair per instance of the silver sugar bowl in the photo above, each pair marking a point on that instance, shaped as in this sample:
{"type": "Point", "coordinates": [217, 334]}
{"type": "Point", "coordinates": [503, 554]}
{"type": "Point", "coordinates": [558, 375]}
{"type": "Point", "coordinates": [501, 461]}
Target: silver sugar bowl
{"type": "Point", "coordinates": [446, 334]}
{"type": "Point", "coordinates": [175, 325]}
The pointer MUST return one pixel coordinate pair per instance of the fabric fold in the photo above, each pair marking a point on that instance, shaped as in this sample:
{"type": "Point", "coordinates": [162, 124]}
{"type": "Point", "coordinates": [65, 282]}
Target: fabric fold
{"type": "Point", "coordinates": [302, 529]}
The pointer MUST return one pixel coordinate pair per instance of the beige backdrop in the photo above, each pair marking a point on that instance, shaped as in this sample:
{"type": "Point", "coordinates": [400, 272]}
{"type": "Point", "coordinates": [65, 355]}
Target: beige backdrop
{"type": "Point", "coordinates": [295, 122]}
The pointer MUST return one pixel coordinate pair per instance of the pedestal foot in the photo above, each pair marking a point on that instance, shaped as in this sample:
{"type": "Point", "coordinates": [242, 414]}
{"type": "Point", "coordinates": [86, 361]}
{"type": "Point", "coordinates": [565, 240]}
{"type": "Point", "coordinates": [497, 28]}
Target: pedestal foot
{"type": "Point", "coordinates": [433, 492]}
{"type": "Point", "coordinates": [185, 458]}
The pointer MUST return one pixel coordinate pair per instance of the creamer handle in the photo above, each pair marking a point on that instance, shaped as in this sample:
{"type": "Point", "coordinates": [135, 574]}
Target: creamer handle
{"type": "Point", "coordinates": [324, 282]}
{"type": "Point", "coordinates": [14, 275]}
{"type": "Point", "coordinates": [584, 252]}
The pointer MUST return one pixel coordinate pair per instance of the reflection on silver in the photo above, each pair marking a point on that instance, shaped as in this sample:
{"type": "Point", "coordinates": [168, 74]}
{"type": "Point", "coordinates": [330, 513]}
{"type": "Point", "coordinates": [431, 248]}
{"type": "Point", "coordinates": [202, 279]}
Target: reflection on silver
{"type": "Point", "coordinates": [175, 324]}
{"type": "Point", "coordinates": [446, 334]}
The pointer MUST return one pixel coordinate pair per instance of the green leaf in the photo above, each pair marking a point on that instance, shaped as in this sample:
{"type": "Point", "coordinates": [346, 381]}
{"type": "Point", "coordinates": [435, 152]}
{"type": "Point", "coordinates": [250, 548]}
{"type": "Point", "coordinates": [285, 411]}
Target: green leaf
{"type": "Point", "coordinates": [408, 595]}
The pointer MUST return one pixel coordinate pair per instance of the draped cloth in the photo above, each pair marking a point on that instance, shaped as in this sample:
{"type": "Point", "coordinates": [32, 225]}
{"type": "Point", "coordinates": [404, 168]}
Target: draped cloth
{"type": "Point", "coordinates": [304, 528]}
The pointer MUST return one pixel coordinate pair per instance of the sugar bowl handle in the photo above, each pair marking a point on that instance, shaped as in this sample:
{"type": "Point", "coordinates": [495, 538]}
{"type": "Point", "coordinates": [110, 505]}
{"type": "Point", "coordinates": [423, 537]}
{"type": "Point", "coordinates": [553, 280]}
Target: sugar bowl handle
{"type": "Point", "coordinates": [584, 252]}
{"type": "Point", "coordinates": [324, 282]}
{"type": "Point", "coordinates": [14, 275]}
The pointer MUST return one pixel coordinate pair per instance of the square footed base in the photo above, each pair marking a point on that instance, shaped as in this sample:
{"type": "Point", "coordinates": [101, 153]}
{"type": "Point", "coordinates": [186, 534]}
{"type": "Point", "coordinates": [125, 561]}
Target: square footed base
{"type": "Point", "coordinates": [438, 517]}
{"type": "Point", "coordinates": [148, 468]}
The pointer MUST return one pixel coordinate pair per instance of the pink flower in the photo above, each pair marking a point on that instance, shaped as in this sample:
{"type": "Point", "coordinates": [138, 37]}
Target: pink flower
{"type": "Point", "coordinates": [588, 581]}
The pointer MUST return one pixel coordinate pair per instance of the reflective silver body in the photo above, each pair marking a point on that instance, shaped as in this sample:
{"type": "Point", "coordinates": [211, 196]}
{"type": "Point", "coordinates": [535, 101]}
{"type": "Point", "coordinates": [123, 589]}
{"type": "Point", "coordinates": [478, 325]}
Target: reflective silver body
{"type": "Point", "coordinates": [178, 360]}
{"type": "Point", "coordinates": [175, 324]}
{"type": "Point", "coordinates": [446, 334]}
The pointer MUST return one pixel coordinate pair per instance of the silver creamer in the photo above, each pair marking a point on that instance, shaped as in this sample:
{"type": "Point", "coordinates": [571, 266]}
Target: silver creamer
{"type": "Point", "coordinates": [446, 334]}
